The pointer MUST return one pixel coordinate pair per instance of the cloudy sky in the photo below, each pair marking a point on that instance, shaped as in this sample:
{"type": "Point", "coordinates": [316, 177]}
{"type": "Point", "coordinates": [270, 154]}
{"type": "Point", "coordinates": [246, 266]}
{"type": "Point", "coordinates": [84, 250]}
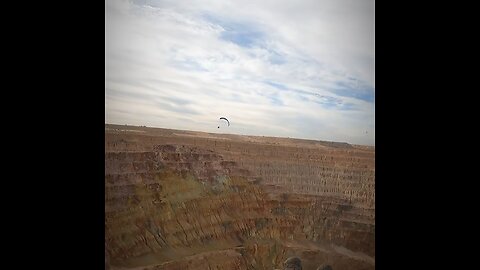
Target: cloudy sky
{"type": "Point", "coordinates": [286, 68]}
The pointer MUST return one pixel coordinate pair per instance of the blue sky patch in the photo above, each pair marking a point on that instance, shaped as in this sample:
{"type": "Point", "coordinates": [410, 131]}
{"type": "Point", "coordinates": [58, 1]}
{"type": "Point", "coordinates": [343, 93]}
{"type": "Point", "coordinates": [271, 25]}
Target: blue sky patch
{"type": "Point", "coordinates": [363, 92]}
{"type": "Point", "coordinates": [242, 34]}
{"type": "Point", "coordinates": [242, 37]}
{"type": "Point", "coordinates": [276, 85]}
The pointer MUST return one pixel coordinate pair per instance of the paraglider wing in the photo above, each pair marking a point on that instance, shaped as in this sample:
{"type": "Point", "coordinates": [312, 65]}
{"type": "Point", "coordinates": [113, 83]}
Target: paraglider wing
{"type": "Point", "coordinates": [226, 120]}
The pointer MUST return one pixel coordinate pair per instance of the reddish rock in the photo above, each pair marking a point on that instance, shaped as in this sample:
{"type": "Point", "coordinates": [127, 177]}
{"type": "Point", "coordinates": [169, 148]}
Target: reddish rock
{"type": "Point", "coordinates": [191, 200]}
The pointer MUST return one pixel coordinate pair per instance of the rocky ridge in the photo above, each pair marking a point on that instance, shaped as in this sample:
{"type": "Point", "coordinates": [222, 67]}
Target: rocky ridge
{"type": "Point", "coordinates": [190, 202]}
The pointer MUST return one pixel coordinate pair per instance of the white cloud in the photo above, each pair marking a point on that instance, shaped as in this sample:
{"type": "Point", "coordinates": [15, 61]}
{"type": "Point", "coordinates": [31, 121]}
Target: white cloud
{"type": "Point", "coordinates": [291, 69]}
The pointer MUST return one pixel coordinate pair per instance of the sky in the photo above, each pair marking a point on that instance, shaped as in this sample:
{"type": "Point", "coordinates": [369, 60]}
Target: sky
{"type": "Point", "coordinates": [283, 68]}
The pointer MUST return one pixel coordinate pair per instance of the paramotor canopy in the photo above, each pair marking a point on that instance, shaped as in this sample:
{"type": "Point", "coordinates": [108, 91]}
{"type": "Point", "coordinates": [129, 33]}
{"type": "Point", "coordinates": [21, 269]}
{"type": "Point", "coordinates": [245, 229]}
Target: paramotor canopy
{"type": "Point", "coordinates": [223, 118]}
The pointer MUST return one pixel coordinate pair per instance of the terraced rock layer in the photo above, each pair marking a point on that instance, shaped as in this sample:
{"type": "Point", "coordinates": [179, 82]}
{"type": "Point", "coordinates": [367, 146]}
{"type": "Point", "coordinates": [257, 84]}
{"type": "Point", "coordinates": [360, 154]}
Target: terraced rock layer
{"type": "Point", "coordinates": [191, 200]}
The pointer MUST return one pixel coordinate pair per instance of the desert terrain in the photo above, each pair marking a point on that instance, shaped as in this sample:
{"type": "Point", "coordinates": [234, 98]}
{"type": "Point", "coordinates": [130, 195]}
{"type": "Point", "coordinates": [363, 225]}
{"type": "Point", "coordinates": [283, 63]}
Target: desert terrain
{"type": "Point", "coordinates": [193, 200]}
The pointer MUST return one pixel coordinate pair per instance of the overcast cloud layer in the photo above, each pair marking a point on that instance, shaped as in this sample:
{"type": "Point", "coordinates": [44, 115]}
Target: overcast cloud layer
{"type": "Point", "coordinates": [300, 68]}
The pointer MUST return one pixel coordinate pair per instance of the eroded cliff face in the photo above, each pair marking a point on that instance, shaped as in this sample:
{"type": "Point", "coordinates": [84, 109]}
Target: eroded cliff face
{"type": "Point", "coordinates": [176, 200]}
